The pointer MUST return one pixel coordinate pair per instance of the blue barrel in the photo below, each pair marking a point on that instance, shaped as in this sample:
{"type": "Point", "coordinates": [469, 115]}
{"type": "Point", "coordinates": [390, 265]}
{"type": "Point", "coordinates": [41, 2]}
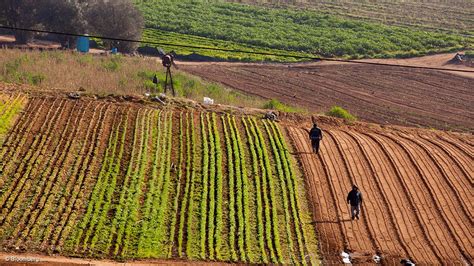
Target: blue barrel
{"type": "Point", "coordinates": [83, 44]}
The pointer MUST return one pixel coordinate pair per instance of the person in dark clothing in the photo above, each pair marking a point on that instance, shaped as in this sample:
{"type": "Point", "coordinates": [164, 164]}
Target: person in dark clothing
{"type": "Point", "coordinates": [316, 135]}
{"type": "Point", "coordinates": [354, 198]}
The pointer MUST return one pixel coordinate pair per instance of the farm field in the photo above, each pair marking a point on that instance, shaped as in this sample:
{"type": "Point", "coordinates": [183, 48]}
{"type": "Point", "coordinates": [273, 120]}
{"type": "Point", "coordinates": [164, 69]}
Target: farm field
{"type": "Point", "coordinates": [93, 178]}
{"type": "Point", "coordinates": [306, 31]}
{"type": "Point", "coordinates": [380, 94]}
{"type": "Point", "coordinates": [417, 187]}
{"type": "Point", "coordinates": [194, 54]}
{"type": "Point", "coordinates": [122, 180]}
{"type": "Point", "coordinates": [453, 16]}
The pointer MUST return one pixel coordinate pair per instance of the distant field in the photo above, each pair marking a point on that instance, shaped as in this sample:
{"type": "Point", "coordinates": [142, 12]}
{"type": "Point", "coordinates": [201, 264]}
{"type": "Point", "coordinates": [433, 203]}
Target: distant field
{"type": "Point", "coordinates": [450, 16]}
{"type": "Point", "coordinates": [294, 30]}
{"type": "Point", "coordinates": [191, 40]}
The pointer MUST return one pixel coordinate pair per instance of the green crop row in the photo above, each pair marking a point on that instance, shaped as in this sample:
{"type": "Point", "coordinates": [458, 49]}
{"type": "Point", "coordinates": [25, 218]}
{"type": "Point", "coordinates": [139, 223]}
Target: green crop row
{"type": "Point", "coordinates": [230, 25]}
{"type": "Point", "coordinates": [192, 236]}
{"type": "Point", "coordinates": [205, 183]}
{"type": "Point", "coordinates": [159, 139]}
{"type": "Point", "coordinates": [178, 184]}
{"type": "Point", "coordinates": [135, 184]}
{"type": "Point", "coordinates": [258, 184]}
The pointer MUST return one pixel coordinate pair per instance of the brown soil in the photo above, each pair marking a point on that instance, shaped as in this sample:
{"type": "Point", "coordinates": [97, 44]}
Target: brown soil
{"type": "Point", "coordinates": [417, 183]}
{"type": "Point", "coordinates": [417, 201]}
{"type": "Point", "coordinates": [380, 94]}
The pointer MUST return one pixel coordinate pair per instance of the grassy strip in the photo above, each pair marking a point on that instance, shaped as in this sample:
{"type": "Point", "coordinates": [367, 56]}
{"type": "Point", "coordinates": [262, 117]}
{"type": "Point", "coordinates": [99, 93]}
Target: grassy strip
{"type": "Point", "coordinates": [286, 207]}
{"type": "Point", "coordinates": [293, 184]}
{"type": "Point", "coordinates": [212, 188]}
{"type": "Point", "coordinates": [160, 229]}
{"type": "Point", "coordinates": [120, 208]}
{"type": "Point", "coordinates": [245, 188]}
{"type": "Point", "coordinates": [220, 188]}
{"type": "Point", "coordinates": [231, 176]}
{"type": "Point", "coordinates": [272, 222]}
{"type": "Point", "coordinates": [156, 182]}
{"type": "Point", "coordinates": [184, 203]}
{"type": "Point", "coordinates": [258, 187]}
{"type": "Point", "coordinates": [133, 188]}
{"type": "Point", "coordinates": [192, 236]}
{"type": "Point", "coordinates": [178, 192]}
{"type": "Point", "coordinates": [134, 203]}
{"type": "Point", "coordinates": [101, 229]}
{"type": "Point", "coordinates": [205, 181]}
{"type": "Point", "coordinates": [240, 194]}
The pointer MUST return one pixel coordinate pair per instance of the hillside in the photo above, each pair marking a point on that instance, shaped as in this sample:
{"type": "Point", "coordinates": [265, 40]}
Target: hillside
{"type": "Point", "coordinates": [305, 31]}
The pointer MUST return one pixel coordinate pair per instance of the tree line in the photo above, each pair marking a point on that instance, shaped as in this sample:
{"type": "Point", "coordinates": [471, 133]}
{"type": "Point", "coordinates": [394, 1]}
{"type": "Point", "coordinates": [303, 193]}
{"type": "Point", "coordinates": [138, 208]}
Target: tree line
{"type": "Point", "coordinates": [117, 18]}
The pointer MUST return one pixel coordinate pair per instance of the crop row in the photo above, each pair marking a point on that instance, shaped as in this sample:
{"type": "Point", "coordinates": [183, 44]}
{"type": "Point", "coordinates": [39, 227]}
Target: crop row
{"type": "Point", "coordinates": [119, 182]}
{"type": "Point", "coordinates": [294, 30]}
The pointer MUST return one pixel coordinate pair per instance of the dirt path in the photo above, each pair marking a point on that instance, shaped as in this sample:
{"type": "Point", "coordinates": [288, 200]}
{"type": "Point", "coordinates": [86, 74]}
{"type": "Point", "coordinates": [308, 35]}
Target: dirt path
{"type": "Point", "coordinates": [417, 187]}
{"type": "Point", "coordinates": [26, 258]}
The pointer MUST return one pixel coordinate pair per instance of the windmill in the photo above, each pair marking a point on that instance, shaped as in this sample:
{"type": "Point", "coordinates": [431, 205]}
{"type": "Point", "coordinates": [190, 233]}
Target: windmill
{"type": "Point", "coordinates": [167, 60]}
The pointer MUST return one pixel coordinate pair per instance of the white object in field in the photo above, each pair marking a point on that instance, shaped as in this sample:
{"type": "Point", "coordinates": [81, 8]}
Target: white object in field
{"type": "Point", "coordinates": [346, 258]}
{"type": "Point", "coordinates": [208, 100]}
{"type": "Point", "coordinates": [377, 258]}
{"type": "Point", "coordinates": [147, 94]}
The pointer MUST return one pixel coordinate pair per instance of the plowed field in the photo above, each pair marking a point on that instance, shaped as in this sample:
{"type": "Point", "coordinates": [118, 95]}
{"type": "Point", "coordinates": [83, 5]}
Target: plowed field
{"type": "Point", "coordinates": [126, 180]}
{"type": "Point", "coordinates": [417, 187]}
{"type": "Point", "coordinates": [384, 95]}
{"type": "Point", "coordinates": [92, 178]}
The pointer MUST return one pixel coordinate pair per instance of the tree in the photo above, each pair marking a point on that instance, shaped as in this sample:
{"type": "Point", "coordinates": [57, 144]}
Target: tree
{"type": "Point", "coordinates": [20, 14]}
{"type": "Point", "coordinates": [62, 16]}
{"type": "Point", "coordinates": [117, 19]}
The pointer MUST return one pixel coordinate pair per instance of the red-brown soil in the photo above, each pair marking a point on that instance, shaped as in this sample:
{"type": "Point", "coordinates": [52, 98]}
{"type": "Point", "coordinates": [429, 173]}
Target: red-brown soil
{"type": "Point", "coordinates": [417, 187]}
{"type": "Point", "coordinates": [380, 94]}
{"type": "Point", "coordinates": [417, 183]}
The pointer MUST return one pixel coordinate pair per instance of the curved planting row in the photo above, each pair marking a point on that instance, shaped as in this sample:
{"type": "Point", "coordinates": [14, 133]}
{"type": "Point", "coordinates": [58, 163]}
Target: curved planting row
{"type": "Point", "coordinates": [94, 179]}
{"type": "Point", "coordinates": [414, 184]}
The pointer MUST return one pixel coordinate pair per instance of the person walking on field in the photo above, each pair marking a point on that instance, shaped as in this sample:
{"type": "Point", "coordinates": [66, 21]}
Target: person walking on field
{"type": "Point", "coordinates": [316, 135]}
{"type": "Point", "coordinates": [354, 198]}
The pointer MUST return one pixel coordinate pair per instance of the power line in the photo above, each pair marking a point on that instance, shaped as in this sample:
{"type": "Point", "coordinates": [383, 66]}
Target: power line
{"type": "Point", "coordinates": [235, 50]}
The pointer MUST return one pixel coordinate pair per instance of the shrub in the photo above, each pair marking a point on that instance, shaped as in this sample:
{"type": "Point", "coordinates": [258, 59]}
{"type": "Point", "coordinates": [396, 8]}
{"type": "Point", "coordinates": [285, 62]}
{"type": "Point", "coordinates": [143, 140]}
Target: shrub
{"type": "Point", "coordinates": [337, 111]}
{"type": "Point", "coordinates": [274, 104]}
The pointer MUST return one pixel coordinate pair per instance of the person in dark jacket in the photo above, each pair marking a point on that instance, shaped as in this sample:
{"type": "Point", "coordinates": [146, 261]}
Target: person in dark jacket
{"type": "Point", "coordinates": [354, 198]}
{"type": "Point", "coordinates": [316, 135]}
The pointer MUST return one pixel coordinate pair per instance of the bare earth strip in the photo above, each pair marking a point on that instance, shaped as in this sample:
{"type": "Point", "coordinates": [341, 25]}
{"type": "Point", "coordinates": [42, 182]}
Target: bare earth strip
{"type": "Point", "coordinates": [417, 187]}
{"type": "Point", "coordinates": [380, 94]}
